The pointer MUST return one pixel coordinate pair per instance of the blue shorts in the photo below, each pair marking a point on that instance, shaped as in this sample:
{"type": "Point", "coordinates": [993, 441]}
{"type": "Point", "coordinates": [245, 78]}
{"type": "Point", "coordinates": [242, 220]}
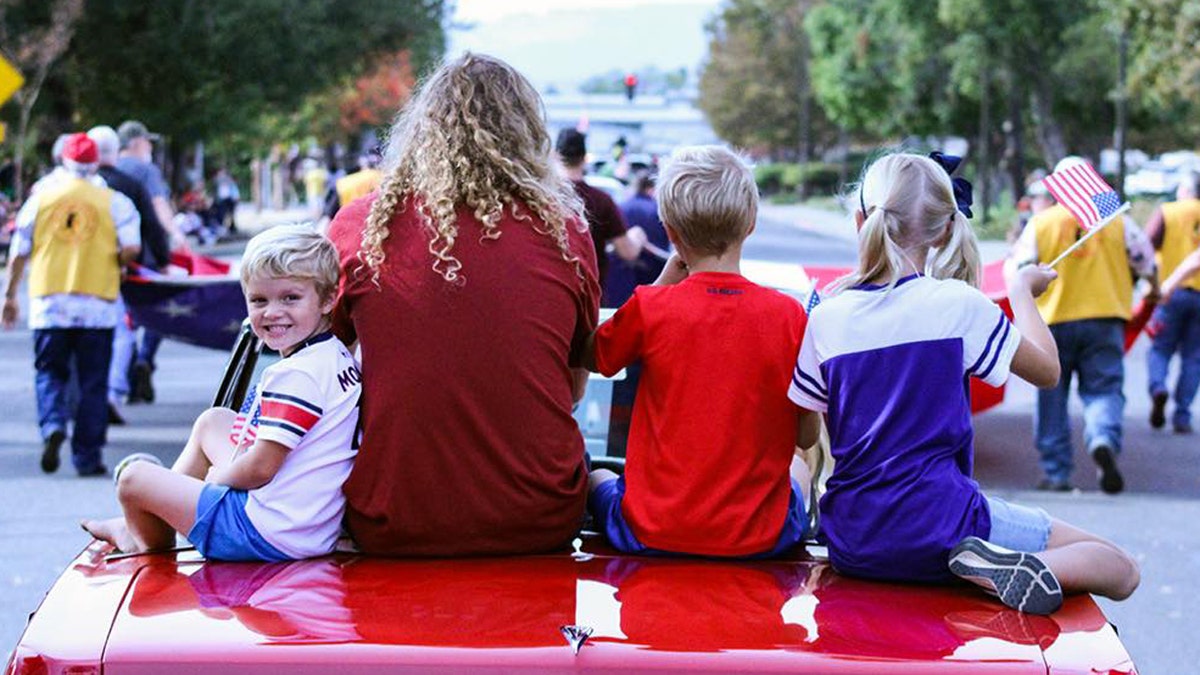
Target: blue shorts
{"type": "Point", "coordinates": [604, 503]}
{"type": "Point", "coordinates": [223, 531]}
{"type": "Point", "coordinates": [1019, 528]}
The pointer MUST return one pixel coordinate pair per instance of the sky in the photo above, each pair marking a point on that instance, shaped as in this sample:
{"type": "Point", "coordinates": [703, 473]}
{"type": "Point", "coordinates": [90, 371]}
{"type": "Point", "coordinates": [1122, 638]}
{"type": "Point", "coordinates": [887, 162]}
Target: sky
{"type": "Point", "coordinates": [563, 42]}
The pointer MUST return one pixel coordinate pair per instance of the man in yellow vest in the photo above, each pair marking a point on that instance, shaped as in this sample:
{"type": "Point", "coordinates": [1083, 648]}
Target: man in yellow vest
{"type": "Point", "coordinates": [1174, 230]}
{"type": "Point", "coordinates": [352, 186]}
{"type": "Point", "coordinates": [75, 235]}
{"type": "Point", "coordinates": [1086, 310]}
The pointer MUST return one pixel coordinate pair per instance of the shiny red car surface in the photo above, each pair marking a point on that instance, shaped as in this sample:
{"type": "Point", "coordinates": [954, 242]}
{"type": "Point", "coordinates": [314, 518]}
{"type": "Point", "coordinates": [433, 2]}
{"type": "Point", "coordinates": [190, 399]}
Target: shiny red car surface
{"type": "Point", "coordinates": [174, 613]}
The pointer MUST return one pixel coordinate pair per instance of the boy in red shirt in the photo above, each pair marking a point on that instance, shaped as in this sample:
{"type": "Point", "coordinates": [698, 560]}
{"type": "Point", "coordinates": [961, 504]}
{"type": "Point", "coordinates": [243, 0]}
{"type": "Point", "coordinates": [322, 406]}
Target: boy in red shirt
{"type": "Point", "coordinates": [711, 467]}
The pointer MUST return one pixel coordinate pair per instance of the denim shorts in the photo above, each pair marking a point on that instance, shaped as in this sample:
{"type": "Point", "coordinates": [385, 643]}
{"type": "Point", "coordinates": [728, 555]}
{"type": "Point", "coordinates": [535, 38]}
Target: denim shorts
{"type": "Point", "coordinates": [1018, 528]}
{"type": "Point", "coordinates": [223, 531]}
{"type": "Point", "coordinates": [605, 506]}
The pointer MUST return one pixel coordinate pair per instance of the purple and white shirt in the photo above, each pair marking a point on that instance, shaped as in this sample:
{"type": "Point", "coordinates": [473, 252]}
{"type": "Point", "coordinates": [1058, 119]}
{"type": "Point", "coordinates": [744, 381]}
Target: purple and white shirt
{"type": "Point", "coordinates": [890, 370]}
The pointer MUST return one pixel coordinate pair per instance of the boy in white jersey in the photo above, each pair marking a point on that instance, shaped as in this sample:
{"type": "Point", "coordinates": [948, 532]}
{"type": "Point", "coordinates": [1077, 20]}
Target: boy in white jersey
{"type": "Point", "coordinates": [265, 483]}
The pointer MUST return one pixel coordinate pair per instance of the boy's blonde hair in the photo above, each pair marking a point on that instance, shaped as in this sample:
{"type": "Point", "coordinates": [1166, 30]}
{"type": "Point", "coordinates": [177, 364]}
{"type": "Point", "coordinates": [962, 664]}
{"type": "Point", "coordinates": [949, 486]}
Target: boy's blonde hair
{"type": "Point", "coordinates": [708, 196]}
{"type": "Point", "coordinates": [907, 201]}
{"type": "Point", "coordinates": [295, 251]}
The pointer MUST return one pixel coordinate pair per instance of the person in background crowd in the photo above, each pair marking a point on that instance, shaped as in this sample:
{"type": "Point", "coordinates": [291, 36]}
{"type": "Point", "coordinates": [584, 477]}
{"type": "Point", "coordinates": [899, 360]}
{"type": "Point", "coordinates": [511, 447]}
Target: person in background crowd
{"type": "Point", "coordinates": [136, 159]}
{"type": "Point", "coordinates": [605, 221]}
{"type": "Point", "coordinates": [155, 255]}
{"type": "Point", "coordinates": [1174, 230]}
{"type": "Point", "coordinates": [640, 211]}
{"type": "Point", "coordinates": [228, 195]}
{"type": "Point", "coordinates": [316, 179]}
{"type": "Point", "coordinates": [74, 234]}
{"type": "Point", "coordinates": [352, 186]}
{"type": "Point", "coordinates": [1086, 311]}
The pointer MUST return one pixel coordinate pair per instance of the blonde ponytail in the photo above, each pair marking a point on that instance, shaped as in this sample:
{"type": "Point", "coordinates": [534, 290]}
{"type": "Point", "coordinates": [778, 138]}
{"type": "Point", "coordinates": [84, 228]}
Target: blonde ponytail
{"type": "Point", "coordinates": [958, 258]}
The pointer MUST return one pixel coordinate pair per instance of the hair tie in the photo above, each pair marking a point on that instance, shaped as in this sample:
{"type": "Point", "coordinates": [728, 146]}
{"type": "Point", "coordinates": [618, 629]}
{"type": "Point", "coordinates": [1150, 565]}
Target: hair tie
{"type": "Point", "coordinates": [962, 187]}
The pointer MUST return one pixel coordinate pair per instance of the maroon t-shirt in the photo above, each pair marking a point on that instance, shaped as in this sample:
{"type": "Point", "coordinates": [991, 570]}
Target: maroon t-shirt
{"type": "Point", "coordinates": [604, 220]}
{"type": "Point", "coordinates": [468, 442]}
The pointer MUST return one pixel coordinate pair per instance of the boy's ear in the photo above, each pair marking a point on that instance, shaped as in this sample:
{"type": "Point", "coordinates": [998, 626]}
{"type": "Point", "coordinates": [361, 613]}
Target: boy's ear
{"type": "Point", "coordinates": [859, 219]}
{"type": "Point", "coordinates": [328, 303]}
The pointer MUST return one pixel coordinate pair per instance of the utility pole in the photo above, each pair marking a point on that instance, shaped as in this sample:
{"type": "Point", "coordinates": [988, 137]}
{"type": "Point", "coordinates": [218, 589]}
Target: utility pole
{"type": "Point", "coordinates": [985, 127]}
{"type": "Point", "coordinates": [1122, 100]}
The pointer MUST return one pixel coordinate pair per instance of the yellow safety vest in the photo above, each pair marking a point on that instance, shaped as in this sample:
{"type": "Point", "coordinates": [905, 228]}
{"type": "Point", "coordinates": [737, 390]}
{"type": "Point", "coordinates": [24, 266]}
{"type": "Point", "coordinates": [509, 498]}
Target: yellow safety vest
{"type": "Point", "coordinates": [357, 184]}
{"type": "Point", "coordinates": [74, 242]}
{"type": "Point", "coordinates": [1181, 236]}
{"type": "Point", "coordinates": [1094, 282]}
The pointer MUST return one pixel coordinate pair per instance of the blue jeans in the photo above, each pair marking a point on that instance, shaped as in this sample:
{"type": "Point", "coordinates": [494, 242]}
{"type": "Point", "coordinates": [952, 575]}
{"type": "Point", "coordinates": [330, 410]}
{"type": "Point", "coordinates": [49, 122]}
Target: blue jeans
{"type": "Point", "coordinates": [147, 348]}
{"type": "Point", "coordinates": [89, 350]}
{"type": "Point", "coordinates": [1179, 332]}
{"type": "Point", "coordinates": [1093, 349]}
{"type": "Point", "coordinates": [124, 344]}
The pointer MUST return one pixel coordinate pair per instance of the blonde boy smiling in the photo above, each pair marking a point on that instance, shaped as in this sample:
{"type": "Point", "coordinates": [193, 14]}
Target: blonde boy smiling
{"type": "Point", "coordinates": [264, 483]}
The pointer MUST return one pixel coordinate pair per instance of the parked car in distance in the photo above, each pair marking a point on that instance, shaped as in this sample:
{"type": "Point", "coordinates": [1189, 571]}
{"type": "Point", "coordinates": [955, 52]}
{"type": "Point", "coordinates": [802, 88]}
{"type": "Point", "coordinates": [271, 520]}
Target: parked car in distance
{"type": "Point", "coordinates": [583, 608]}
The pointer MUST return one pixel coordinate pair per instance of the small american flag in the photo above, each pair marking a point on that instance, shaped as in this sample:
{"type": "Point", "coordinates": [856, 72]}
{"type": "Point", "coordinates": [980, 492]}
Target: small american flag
{"type": "Point", "coordinates": [1085, 194]}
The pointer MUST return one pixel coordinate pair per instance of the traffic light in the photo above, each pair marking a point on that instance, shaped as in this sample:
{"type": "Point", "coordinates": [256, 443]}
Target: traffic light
{"type": "Point", "coordinates": [630, 86]}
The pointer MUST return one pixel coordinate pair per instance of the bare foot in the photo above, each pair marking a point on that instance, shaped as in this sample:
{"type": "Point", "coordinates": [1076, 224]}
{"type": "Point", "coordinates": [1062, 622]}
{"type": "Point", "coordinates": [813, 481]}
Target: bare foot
{"type": "Point", "coordinates": [113, 531]}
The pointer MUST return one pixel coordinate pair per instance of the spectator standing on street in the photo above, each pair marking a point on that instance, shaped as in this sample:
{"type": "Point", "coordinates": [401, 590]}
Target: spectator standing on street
{"type": "Point", "coordinates": [1174, 230]}
{"type": "Point", "coordinates": [316, 179]}
{"type": "Point", "coordinates": [640, 211]}
{"type": "Point", "coordinates": [361, 183]}
{"type": "Point", "coordinates": [225, 206]}
{"type": "Point", "coordinates": [155, 255]}
{"type": "Point", "coordinates": [469, 281]}
{"type": "Point", "coordinates": [605, 221]}
{"type": "Point", "coordinates": [74, 234]}
{"type": "Point", "coordinates": [1086, 311]}
{"type": "Point", "coordinates": [137, 160]}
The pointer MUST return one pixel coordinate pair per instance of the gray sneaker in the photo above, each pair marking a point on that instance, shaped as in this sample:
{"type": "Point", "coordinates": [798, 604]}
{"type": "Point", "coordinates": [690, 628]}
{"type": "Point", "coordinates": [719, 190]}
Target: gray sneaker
{"type": "Point", "coordinates": [1020, 580]}
{"type": "Point", "coordinates": [130, 459]}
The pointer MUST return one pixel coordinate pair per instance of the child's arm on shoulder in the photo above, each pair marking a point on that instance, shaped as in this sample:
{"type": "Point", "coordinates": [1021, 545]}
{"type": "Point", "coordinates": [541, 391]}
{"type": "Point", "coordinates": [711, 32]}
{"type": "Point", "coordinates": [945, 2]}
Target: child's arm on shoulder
{"type": "Point", "coordinates": [1036, 359]}
{"type": "Point", "coordinates": [253, 468]}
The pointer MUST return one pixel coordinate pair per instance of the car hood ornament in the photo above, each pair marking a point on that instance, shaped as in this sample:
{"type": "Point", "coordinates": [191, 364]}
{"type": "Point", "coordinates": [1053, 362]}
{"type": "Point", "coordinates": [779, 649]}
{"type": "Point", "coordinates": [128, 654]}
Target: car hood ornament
{"type": "Point", "coordinates": [576, 635]}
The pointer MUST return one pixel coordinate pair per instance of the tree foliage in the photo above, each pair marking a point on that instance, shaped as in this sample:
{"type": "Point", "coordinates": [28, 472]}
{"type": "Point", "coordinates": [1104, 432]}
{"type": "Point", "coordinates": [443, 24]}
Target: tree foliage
{"type": "Point", "coordinates": [755, 85]}
{"type": "Point", "coordinates": [194, 68]}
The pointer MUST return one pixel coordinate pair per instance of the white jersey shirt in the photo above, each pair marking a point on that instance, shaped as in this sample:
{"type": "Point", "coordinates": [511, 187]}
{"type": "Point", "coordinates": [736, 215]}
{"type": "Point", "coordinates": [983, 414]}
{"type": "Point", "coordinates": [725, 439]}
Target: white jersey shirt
{"type": "Point", "coordinates": [307, 402]}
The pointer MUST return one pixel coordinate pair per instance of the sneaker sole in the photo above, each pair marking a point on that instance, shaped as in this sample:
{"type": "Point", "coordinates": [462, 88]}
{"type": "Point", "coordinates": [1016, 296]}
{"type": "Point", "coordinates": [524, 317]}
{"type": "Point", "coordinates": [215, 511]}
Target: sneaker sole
{"type": "Point", "coordinates": [1158, 410]}
{"type": "Point", "coordinates": [50, 451]}
{"type": "Point", "coordinates": [1110, 477]}
{"type": "Point", "coordinates": [1020, 580]}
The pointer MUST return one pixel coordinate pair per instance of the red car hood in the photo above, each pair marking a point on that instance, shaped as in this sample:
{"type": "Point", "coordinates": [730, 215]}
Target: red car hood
{"type": "Point", "coordinates": [174, 614]}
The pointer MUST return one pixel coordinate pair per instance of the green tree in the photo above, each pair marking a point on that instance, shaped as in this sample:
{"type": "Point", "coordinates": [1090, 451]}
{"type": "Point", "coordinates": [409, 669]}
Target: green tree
{"type": "Point", "coordinates": [196, 69]}
{"type": "Point", "coordinates": [755, 86]}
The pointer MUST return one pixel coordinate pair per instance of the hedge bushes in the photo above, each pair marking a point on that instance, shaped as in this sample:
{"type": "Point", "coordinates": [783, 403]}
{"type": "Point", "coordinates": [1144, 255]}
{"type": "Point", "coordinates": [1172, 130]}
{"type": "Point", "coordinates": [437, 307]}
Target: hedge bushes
{"type": "Point", "coordinates": [786, 177]}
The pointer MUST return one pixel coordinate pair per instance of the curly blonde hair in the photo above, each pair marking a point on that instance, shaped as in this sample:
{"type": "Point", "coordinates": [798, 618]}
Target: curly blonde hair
{"type": "Point", "coordinates": [474, 135]}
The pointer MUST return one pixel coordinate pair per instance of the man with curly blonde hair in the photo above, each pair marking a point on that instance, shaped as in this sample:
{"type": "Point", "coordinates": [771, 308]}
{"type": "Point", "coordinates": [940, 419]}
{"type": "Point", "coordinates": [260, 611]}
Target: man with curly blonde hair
{"type": "Point", "coordinates": [470, 283]}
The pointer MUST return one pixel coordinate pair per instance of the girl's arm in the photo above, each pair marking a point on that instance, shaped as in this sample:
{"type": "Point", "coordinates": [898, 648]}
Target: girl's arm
{"type": "Point", "coordinates": [252, 469]}
{"type": "Point", "coordinates": [1036, 360]}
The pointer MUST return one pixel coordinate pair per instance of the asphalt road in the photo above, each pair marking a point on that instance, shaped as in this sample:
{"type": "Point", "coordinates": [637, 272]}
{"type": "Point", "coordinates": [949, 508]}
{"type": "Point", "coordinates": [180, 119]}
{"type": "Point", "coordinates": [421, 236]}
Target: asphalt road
{"type": "Point", "coordinates": [1155, 518]}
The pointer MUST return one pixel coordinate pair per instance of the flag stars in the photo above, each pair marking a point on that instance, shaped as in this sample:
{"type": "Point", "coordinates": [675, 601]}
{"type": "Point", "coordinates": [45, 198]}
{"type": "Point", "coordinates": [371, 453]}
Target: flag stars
{"type": "Point", "coordinates": [176, 310]}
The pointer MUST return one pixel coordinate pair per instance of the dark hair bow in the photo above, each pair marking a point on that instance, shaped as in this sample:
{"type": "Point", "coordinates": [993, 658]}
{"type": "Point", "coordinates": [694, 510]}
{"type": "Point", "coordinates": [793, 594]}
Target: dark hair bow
{"type": "Point", "coordinates": [962, 187]}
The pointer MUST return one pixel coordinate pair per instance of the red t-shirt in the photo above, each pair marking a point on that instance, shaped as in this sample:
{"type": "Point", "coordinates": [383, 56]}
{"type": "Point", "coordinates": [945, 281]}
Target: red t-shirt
{"type": "Point", "coordinates": [468, 444]}
{"type": "Point", "coordinates": [713, 431]}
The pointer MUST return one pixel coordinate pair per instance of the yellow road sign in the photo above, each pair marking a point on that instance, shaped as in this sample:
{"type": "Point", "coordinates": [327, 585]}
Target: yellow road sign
{"type": "Point", "coordinates": [10, 80]}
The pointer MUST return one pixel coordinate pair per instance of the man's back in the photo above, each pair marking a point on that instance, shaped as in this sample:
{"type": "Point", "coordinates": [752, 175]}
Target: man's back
{"type": "Point", "coordinates": [156, 252]}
